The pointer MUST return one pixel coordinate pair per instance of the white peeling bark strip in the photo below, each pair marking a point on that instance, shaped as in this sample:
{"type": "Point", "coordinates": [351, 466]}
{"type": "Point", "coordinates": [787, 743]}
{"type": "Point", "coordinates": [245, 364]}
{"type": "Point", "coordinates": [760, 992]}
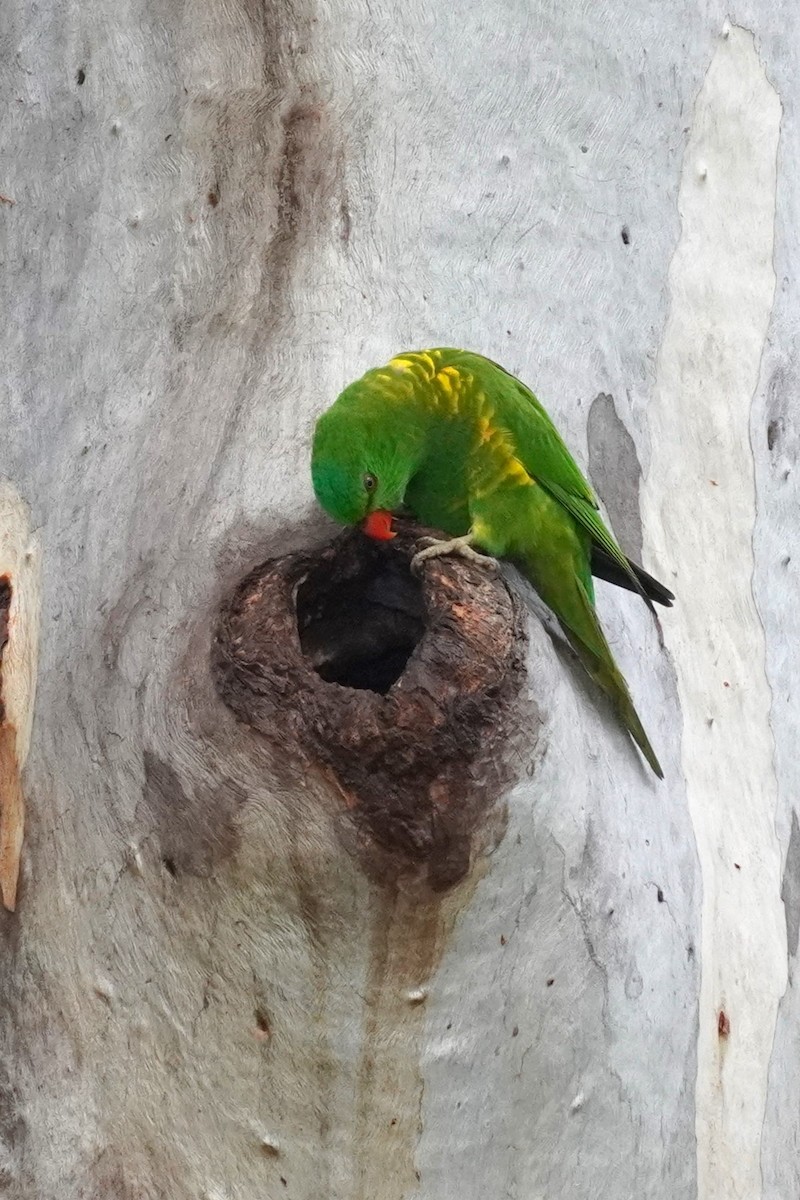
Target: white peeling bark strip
{"type": "Point", "coordinates": [19, 565]}
{"type": "Point", "coordinates": [20, 555]}
{"type": "Point", "coordinates": [699, 510]}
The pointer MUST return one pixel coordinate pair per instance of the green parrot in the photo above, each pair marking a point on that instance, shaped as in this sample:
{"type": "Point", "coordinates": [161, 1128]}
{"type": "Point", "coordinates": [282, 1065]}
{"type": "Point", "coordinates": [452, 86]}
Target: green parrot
{"type": "Point", "coordinates": [464, 446]}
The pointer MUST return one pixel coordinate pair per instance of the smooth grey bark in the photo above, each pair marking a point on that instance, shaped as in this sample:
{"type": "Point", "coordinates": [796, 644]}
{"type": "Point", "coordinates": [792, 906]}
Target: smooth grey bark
{"type": "Point", "coordinates": [213, 217]}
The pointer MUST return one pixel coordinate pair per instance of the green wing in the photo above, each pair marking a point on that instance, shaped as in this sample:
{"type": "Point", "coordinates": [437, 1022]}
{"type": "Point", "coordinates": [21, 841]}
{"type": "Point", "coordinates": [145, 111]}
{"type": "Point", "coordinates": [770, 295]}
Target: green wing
{"type": "Point", "coordinates": [544, 454]}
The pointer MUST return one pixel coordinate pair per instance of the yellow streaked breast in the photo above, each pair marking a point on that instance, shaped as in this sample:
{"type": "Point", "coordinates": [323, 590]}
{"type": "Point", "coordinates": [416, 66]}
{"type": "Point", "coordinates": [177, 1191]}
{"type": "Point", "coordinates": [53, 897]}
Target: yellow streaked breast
{"type": "Point", "coordinates": [449, 383]}
{"type": "Point", "coordinates": [420, 364]}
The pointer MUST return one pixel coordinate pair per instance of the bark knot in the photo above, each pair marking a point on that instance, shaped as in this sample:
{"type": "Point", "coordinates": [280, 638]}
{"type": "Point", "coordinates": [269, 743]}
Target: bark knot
{"type": "Point", "coordinates": [401, 691]}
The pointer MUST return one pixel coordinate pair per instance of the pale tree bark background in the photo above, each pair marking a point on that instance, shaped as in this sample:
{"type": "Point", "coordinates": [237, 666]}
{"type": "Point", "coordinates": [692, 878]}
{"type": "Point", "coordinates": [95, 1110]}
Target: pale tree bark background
{"type": "Point", "coordinates": [215, 215]}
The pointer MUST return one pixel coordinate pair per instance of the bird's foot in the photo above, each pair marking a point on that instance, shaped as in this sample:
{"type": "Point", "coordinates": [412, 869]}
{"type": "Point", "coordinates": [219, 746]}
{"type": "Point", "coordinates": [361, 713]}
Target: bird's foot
{"type": "Point", "coordinates": [462, 546]}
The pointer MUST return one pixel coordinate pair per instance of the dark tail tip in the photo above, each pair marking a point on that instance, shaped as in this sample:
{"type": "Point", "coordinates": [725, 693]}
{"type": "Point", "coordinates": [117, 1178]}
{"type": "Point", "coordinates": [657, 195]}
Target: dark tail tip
{"type": "Point", "coordinates": [604, 567]}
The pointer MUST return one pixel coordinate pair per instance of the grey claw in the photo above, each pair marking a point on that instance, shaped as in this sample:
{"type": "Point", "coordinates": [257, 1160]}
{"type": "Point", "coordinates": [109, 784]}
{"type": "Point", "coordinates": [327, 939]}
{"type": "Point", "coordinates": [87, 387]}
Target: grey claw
{"type": "Point", "coordinates": [437, 547]}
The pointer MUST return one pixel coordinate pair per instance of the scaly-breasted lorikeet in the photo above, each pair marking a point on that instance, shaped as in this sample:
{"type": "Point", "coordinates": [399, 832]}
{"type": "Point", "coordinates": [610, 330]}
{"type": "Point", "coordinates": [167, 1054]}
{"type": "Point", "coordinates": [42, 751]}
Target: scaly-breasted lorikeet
{"type": "Point", "coordinates": [467, 448]}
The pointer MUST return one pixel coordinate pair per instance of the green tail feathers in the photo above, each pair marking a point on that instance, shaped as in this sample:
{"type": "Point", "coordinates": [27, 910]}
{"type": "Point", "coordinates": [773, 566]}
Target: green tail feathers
{"type": "Point", "coordinates": [578, 619]}
{"type": "Point", "coordinates": [608, 677]}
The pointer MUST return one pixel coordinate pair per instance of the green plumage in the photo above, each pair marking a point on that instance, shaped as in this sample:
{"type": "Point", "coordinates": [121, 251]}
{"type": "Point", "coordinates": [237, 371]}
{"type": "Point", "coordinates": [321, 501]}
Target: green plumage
{"type": "Point", "coordinates": [469, 449]}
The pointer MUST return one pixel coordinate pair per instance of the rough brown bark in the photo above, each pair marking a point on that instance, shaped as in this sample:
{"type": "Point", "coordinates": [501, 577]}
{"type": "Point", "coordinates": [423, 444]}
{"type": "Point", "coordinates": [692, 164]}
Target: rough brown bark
{"type": "Point", "coordinates": [419, 767]}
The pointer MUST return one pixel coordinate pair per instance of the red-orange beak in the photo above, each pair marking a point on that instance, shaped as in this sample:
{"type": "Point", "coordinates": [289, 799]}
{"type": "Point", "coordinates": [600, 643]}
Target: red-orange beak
{"type": "Point", "coordinates": [378, 525]}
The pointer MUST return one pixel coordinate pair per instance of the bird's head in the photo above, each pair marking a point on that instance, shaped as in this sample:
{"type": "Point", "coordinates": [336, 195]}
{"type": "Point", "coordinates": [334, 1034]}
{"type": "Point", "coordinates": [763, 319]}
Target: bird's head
{"type": "Point", "coordinates": [360, 466]}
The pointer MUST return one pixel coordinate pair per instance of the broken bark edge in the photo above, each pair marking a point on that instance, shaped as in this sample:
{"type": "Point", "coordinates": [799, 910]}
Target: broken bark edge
{"type": "Point", "coordinates": [12, 806]}
{"type": "Point", "coordinates": [418, 769]}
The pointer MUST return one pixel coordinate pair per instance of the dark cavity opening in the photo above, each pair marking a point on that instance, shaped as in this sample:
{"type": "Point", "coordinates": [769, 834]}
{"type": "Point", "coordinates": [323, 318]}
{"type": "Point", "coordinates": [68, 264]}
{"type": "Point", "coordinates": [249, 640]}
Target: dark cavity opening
{"type": "Point", "coordinates": [361, 631]}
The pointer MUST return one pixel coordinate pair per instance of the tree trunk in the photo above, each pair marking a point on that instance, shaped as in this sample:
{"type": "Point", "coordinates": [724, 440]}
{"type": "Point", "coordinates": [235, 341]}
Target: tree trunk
{"type": "Point", "coordinates": [250, 953]}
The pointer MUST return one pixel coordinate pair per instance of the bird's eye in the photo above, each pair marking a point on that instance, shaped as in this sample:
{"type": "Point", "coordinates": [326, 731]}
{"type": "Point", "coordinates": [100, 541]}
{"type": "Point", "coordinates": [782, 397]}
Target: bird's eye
{"type": "Point", "coordinates": [370, 482]}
